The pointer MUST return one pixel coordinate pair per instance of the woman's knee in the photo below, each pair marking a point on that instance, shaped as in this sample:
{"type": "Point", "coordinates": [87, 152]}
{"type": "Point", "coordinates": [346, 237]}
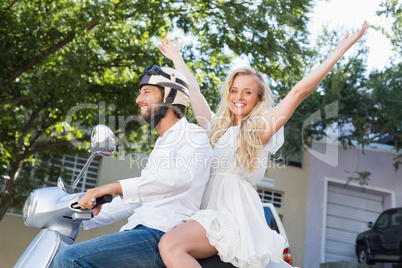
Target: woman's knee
{"type": "Point", "coordinates": [167, 249]}
{"type": "Point", "coordinates": [167, 245]}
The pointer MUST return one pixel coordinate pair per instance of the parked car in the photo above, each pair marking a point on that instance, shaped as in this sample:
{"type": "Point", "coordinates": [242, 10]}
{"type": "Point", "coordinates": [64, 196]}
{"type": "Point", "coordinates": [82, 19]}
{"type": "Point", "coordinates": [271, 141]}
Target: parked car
{"type": "Point", "coordinates": [275, 223]}
{"type": "Point", "coordinates": [383, 242]}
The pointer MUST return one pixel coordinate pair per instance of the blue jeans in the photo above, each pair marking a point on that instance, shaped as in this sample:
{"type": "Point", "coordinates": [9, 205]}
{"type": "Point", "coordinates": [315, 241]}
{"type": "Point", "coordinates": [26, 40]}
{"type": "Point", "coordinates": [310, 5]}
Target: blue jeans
{"type": "Point", "coordinates": [132, 248]}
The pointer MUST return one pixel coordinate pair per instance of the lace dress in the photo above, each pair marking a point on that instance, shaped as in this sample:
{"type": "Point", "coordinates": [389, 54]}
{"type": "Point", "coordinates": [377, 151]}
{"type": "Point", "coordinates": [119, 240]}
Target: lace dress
{"type": "Point", "coordinates": [232, 213]}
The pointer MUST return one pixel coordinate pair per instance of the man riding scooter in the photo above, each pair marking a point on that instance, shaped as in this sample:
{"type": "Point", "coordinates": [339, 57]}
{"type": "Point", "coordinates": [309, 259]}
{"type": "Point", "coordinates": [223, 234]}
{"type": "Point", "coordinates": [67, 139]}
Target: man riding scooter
{"type": "Point", "coordinates": [163, 196]}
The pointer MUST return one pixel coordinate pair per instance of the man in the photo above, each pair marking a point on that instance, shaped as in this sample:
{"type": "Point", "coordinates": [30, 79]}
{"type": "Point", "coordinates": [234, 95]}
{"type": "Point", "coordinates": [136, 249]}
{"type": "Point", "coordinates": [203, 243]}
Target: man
{"type": "Point", "coordinates": [163, 196]}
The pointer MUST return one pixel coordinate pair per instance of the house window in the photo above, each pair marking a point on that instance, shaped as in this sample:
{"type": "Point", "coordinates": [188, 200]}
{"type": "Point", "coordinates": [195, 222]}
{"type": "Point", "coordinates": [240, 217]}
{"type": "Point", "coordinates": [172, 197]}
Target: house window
{"type": "Point", "coordinates": [66, 166]}
{"type": "Point", "coordinates": [72, 166]}
{"type": "Point", "coordinates": [269, 196]}
{"type": "Point", "coordinates": [295, 159]}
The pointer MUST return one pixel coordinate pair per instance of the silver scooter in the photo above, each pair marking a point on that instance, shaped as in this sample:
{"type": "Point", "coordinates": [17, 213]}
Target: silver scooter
{"type": "Point", "coordinates": [56, 212]}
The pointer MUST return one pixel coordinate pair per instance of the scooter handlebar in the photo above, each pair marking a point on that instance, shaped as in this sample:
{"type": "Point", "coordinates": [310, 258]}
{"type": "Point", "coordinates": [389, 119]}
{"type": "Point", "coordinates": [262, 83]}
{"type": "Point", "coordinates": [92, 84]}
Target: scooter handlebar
{"type": "Point", "coordinates": [103, 199]}
{"type": "Point", "coordinates": [99, 201]}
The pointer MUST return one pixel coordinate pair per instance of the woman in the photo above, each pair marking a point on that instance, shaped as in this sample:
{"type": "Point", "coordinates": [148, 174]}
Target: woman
{"type": "Point", "coordinates": [231, 222]}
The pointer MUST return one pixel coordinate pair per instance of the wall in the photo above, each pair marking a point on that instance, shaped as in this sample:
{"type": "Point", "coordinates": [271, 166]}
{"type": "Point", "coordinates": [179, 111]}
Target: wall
{"type": "Point", "coordinates": [124, 166]}
{"type": "Point", "coordinates": [383, 176]}
{"type": "Point", "coordinates": [293, 182]}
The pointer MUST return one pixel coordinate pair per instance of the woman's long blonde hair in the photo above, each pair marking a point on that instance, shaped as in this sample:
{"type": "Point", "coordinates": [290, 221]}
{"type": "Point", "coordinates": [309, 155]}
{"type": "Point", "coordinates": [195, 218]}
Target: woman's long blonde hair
{"type": "Point", "coordinates": [251, 126]}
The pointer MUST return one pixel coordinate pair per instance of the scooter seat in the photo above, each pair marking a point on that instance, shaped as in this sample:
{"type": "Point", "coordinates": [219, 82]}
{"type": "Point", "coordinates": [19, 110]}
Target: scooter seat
{"type": "Point", "coordinates": [214, 262]}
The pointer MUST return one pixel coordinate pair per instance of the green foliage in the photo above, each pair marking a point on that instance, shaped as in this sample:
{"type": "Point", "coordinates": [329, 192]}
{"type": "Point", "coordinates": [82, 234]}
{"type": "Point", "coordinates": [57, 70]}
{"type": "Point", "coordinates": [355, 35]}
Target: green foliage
{"type": "Point", "coordinates": [69, 65]}
{"type": "Point", "coordinates": [344, 85]}
{"type": "Point", "coordinates": [362, 178]}
{"type": "Point", "coordinates": [392, 11]}
{"type": "Point", "coordinates": [368, 104]}
{"type": "Point", "coordinates": [386, 90]}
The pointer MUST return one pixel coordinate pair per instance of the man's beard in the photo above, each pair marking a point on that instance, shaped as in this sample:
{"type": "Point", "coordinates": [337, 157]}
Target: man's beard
{"type": "Point", "coordinates": [152, 112]}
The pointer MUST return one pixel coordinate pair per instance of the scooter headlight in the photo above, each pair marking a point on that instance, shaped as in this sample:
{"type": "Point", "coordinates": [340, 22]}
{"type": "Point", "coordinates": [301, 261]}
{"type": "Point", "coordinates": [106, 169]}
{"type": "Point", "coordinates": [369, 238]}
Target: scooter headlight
{"type": "Point", "coordinates": [30, 207]}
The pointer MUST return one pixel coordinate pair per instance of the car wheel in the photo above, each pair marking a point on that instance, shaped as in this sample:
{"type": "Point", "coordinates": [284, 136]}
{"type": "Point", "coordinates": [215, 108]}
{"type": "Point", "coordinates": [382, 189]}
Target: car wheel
{"type": "Point", "coordinates": [362, 255]}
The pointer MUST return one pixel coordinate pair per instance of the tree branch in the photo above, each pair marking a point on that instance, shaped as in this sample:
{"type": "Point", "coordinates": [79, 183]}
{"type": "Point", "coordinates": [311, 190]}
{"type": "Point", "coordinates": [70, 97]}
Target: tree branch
{"type": "Point", "coordinates": [38, 59]}
{"type": "Point", "coordinates": [38, 134]}
{"type": "Point", "coordinates": [12, 4]}
{"type": "Point", "coordinates": [389, 131]}
{"type": "Point", "coordinates": [34, 115]}
{"type": "Point", "coordinates": [35, 139]}
{"type": "Point", "coordinates": [49, 51]}
{"type": "Point", "coordinates": [17, 99]}
{"type": "Point", "coordinates": [92, 24]}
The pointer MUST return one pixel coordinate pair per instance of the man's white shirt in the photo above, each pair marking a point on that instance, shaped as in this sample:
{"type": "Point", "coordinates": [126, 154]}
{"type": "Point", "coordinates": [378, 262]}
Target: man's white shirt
{"type": "Point", "coordinates": [171, 185]}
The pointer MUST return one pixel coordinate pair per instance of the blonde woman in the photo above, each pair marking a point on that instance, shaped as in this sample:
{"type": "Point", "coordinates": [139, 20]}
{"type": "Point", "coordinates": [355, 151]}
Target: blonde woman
{"type": "Point", "coordinates": [243, 131]}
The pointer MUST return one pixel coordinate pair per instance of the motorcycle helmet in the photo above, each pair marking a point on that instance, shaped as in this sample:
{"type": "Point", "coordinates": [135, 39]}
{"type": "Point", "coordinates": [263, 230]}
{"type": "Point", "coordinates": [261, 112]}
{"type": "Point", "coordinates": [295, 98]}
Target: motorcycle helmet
{"type": "Point", "coordinates": [176, 89]}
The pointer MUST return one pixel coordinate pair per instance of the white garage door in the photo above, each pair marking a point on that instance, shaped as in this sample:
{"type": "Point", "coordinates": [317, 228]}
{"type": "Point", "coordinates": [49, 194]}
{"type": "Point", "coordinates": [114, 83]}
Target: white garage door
{"type": "Point", "coordinates": [348, 212]}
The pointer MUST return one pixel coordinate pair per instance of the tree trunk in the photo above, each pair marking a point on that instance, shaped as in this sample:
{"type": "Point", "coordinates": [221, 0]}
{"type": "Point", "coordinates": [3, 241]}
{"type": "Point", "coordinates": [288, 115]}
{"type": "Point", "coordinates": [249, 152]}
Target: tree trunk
{"type": "Point", "coordinates": [7, 198]}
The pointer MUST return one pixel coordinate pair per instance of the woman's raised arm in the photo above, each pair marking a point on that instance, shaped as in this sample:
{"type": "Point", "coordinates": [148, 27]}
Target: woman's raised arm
{"type": "Point", "coordinates": [280, 114]}
{"type": "Point", "coordinates": [198, 103]}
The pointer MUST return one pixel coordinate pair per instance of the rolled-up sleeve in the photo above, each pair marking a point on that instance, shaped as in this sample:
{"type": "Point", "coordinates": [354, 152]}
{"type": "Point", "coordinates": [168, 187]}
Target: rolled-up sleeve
{"type": "Point", "coordinates": [173, 176]}
{"type": "Point", "coordinates": [110, 213]}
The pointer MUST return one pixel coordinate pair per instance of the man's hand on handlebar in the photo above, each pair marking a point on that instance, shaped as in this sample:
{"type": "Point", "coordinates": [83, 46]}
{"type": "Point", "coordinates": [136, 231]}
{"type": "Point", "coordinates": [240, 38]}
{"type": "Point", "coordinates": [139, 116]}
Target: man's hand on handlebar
{"type": "Point", "coordinates": [88, 201]}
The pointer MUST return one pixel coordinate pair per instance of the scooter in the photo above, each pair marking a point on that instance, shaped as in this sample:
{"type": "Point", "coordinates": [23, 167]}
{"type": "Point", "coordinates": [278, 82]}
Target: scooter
{"type": "Point", "coordinates": [56, 212]}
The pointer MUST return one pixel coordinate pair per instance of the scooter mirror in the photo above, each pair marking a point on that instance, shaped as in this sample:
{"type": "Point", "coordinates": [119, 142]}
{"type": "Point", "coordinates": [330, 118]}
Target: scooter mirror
{"type": "Point", "coordinates": [103, 141]}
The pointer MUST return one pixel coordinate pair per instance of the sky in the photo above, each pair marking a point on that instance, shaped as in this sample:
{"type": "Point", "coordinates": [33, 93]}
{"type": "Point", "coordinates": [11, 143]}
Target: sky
{"type": "Point", "coordinates": [351, 14]}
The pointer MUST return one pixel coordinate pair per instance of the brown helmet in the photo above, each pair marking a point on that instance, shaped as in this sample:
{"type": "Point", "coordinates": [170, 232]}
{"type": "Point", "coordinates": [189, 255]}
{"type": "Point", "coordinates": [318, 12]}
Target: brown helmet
{"type": "Point", "coordinates": [167, 78]}
{"type": "Point", "coordinates": [176, 89]}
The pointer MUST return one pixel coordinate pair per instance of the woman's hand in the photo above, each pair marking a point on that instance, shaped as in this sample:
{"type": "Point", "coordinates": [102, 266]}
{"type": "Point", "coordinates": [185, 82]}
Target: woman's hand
{"type": "Point", "coordinates": [281, 113]}
{"type": "Point", "coordinates": [170, 50]}
{"type": "Point", "coordinates": [198, 103]}
{"type": "Point", "coordinates": [349, 40]}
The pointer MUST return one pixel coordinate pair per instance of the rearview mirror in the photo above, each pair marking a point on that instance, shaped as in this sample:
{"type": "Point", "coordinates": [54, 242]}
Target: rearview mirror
{"type": "Point", "coordinates": [103, 141]}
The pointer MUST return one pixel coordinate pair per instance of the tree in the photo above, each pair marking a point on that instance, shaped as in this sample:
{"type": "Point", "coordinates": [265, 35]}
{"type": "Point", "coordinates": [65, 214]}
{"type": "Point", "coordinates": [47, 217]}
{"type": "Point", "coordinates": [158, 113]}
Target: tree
{"type": "Point", "coordinates": [378, 118]}
{"type": "Point", "coordinates": [68, 65]}
{"type": "Point", "coordinates": [392, 10]}
{"type": "Point", "coordinates": [343, 89]}
{"type": "Point", "coordinates": [385, 116]}
{"type": "Point", "coordinates": [368, 104]}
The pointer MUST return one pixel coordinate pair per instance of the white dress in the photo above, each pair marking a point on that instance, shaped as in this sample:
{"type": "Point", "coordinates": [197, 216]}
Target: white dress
{"type": "Point", "coordinates": [232, 213]}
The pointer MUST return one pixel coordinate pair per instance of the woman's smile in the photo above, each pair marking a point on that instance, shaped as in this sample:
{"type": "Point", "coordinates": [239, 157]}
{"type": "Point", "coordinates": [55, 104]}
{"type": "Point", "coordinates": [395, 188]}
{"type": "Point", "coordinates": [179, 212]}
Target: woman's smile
{"type": "Point", "coordinates": [243, 95]}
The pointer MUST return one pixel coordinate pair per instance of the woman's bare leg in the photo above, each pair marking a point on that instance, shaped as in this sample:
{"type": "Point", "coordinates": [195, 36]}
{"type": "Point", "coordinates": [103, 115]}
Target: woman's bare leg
{"type": "Point", "coordinates": [184, 244]}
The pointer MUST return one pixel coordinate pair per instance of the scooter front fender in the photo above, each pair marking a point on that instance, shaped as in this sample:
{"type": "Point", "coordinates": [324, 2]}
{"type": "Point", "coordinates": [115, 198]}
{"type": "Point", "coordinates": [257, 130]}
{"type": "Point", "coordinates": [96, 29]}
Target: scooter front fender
{"type": "Point", "coordinates": [43, 248]}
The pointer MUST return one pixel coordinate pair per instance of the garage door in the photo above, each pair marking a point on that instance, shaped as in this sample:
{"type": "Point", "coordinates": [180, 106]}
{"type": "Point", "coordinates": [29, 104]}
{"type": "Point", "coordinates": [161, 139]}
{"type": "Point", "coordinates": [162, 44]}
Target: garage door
{"type": "Point", "coordinates": [348, 211]}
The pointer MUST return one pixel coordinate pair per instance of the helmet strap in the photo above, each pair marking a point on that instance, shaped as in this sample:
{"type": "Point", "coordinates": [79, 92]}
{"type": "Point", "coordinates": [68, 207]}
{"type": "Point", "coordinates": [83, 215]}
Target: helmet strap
{"type": "Point", "coordinates": [162, 112]}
